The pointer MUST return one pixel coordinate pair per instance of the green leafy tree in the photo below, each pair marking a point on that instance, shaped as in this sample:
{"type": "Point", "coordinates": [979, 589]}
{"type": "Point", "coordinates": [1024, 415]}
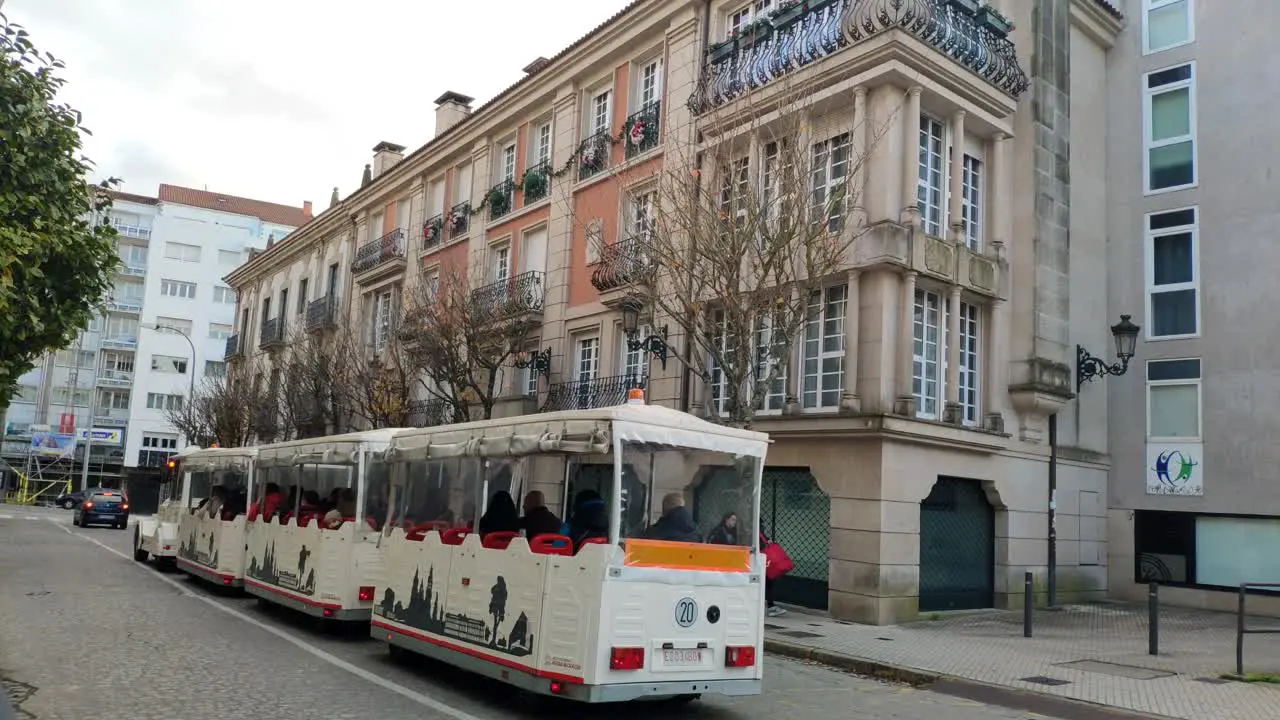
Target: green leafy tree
{"type": "Point", "coordinates": [57, 251]}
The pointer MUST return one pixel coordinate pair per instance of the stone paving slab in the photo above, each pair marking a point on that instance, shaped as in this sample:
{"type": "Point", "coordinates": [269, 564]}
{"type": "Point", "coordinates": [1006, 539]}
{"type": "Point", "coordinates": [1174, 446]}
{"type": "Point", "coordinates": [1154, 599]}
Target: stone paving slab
{"type": "Point", "coordinates": [1182, 682]}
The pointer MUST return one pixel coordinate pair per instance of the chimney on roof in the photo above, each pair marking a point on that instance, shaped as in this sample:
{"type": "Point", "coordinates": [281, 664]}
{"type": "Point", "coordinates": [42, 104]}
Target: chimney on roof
{"type": "Point", "coordinates": [333, 199]}
{"type": "Point", "coordinates": [451, 109]}
{"type": "Point", "coordinates": [306, 208]}
{"type": "Point", "coordinates": [385, 156]}
{"type": "Point", "coordinates": [536, 65]}
{"type": "Point", "coordinates": [271, 240]}
{"type": "Point", "coordinates": [368, 175]}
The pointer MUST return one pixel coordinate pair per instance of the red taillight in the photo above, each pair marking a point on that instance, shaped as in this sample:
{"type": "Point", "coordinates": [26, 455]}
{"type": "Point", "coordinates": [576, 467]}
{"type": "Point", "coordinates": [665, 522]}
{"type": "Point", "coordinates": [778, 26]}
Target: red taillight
{"type": "Point", "coordinates": [740, 656]}
{"type": "Point", "coordinates": [556, 687]}
{"type": "Point", "coordinates": [631, 658]}
{"type": "Point", "coordinates": [226, 581]}
{"type": "Point", "coordinates": [366, 593]}
{"type": "Point", "coordinates": [327, 612]}
{"type": "Point", "coordinates": [124, 506]}
{"type": "Point", "coordinates": [87, 505]}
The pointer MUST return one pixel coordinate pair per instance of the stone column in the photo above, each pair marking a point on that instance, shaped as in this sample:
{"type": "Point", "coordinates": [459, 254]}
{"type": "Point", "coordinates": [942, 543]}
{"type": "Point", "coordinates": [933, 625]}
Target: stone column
{"type": "Point", "coordinates": [995, 374]}
{"type": "Point", "coordinates": [860, 143]}
{"type": "Point", "coordinates": [849, 401]}
{"type": "Point", "coordinates": [911, 156]}
{"type": "Point", "coordinates": [906, 404]}
{"type": "Point", "coordinates": [951, 411]}
{"type": "Point", "coordinates": [955, 209]}
{"type": "Point", "coordinates": [998, 207]}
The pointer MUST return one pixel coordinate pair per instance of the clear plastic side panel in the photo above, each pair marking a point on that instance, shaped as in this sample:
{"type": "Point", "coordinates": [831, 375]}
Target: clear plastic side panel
{"type": "Point", "coordinates": [688, 496]}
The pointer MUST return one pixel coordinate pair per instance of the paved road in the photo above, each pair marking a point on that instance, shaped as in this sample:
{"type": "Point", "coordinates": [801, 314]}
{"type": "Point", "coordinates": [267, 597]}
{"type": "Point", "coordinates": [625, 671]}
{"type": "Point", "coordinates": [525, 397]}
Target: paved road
{"type": "Point", "coordinates": [86, 632]}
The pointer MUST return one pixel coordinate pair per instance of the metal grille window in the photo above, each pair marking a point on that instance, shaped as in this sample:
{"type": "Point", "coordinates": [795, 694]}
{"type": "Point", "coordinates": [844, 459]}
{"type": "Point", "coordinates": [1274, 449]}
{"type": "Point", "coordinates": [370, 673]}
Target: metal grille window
{"type": "Point", "coordinates": [930, 182]}
{"type": "Point", "coordinates": [178, 289]}
{"type": "Point", "coordinates": [827, 181]}
{"type": "Point", "coordinates": [971, 202]}
{"type": "Point", "coordinates": [1173, 274]}
{"type": "Point", "coordinates": [926, 366]}
{"type": "Point", "coordinates": [771, 358]}
{"type": "Point", "coordinates": [824, 349]}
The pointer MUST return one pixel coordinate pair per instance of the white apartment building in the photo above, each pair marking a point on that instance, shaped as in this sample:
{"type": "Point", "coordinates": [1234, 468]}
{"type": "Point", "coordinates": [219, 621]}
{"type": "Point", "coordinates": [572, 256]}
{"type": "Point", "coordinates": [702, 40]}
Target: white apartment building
{"type": "Point", "coordinates": [164, 330]}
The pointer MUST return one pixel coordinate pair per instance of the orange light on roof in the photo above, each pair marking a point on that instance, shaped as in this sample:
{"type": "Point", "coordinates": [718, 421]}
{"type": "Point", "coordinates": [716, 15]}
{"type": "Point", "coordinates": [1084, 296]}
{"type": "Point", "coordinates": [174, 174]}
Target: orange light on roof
{"type": "Point", "coordinates": [635, 396]}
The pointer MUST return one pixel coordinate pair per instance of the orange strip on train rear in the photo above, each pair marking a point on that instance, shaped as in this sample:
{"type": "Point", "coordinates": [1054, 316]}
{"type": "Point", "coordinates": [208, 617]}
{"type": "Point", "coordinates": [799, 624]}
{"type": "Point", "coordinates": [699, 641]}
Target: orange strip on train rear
{"type": "Point", "coordinates": [687, 556]}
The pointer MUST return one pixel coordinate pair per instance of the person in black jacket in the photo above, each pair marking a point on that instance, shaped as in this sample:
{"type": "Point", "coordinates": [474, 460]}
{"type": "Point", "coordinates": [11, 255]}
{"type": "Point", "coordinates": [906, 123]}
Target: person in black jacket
{"type": "Point", "coordinates": [676, 524]}
{"type": "Point", "coordinates": [726, 533]}
{"type": "Point", "coordinates": [501, 515]}
{"type": "Point", "coordinates": [538, 519]}
{"type": "Point", "coordinates": [590, 518]}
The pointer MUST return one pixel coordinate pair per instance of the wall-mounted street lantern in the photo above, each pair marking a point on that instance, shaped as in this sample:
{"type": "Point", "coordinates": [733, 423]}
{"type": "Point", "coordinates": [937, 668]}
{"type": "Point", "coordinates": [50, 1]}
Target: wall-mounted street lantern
{"type": "Point", "coordinates": [539, 362]}
{"type": "Point", "coordinates": [1089, 367]}
{"type": "Point", "coordinates": [655, 345]}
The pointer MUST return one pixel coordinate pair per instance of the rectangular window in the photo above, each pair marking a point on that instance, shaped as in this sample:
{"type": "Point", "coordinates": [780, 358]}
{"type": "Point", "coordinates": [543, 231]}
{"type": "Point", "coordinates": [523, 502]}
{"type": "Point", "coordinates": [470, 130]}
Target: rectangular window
{"type": "Point", "coordinates": [735, 184]}
{"type": "Point", "coordinates": [740, 18]}
{"type": "Point", "coordinates": [501, 263]}
{"type": "Point", "coordinates": [224, 295]}
{"type": "Point", "coordinates": [168, 364]}
{"type": "Point", "coordinates": [828, 181]}
{"type": "Point", "coordinates": [771, 366]}
{"type": "Point", "coordinates": [1173, 274]}
{"type": "Point", "coordinates": [600, 112]}
{"type": "Point", "coordinates": [431, 280]}
{"type": "Point", "coordinates": [218, 331]}
{"type": "Point", "coordinates": [528, 382]}
{"type": "Point", "coordinates": [719, 380]}
{"type": "Point", "coordinates": [642, 212]}
{"type": "Point", "coordinates": [650, 83]}
{"type": "Point", "coordinates": [302, 295]}
{"type": "Point", "coordinates": [1173, 399]}
{"type": "Point", "coordinates": [228, 257]}
{"type": "Point", "coordinates": [542, 142]}
{"type": "Point", "coordinates": [824, 349]}
{"type": "Point", "coordinates": [1165, 546]}
{"type": "Point", "coordinates": [178, 289]}
{"type": "Point", "coordinates": [1235, 550]}
{"type": "Point", "coordinates": [931, 182]}
{"type": "Point", "coordinates": [134, 256]}
{"type": "Point", "coordinates": [1169, 112]}
{"type": "Point", "coordinates": [969, 367]}
{"type": "Point", "coordinates": [926, 365]}
{"type": "Point", "coordinates": [161, 401]}
{"type": "Point", "coordinates": [117, 362]}
{"type": "Point", "coordinates": [177, 324]}
{"type": "Point", "coordinates": [215, 369]}
{"type": "Point", "coordinates": [971, 202]}
{"type": "Point", "coordinates": [635, 363]}
{"type": "Point", "coordinates": [381, 320]}
{"type": "Point", "coordinates": [181, 252]}
{"type": "Point", "coordinates": [509, 162]}
{"type": "Point", "coordinates": [160, 442]}
{"type": "Point", "coordinates": [113, 400]}
{"type": "Point", "coordinates": [588, 359]}
{"type": "Point", "coordinates": [1166, 24]}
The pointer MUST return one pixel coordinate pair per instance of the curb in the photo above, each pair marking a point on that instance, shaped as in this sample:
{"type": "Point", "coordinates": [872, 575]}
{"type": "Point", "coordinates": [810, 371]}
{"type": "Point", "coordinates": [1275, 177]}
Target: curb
{"type": "Point", "coordinates": [868, 668]}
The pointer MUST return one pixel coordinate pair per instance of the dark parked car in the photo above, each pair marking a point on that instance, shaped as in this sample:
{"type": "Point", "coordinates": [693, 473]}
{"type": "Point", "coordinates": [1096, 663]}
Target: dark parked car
{"type": "Point", "coordinates": [68, 500]}
{"type": "Point", "coordinates": [103, 507]}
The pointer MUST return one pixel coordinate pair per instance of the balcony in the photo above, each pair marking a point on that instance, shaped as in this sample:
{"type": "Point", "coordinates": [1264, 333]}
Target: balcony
{"type": "Point", "coordinates": [233, 349]}
{"type": "Point", "coordinates": [459, 220]}
{"type": "Point", "coordinates": [621, 264]}
{"type": "Point", "coordinates": [802, 34]}
{"type": "Point", "coordinates": [643, 129]}
{"type": "Point", "coordinates": [154, 458]}
{"type": "Point", "coordinates": [593, 154]}
{"type": "Point", "coordinates": [132, 231]}
{"type": "Point", "coordinates": [429, 413]}
{"type": "Point", "coordinates": [321, 314]}
{"type": "Point", "coordinates": [591, 394]}
{"type": "Point", "coordinates": [125, 268]}
{"type": "Point", "coordinates": [536, 182]}
{"type": "Point", "coordinates": [432, 232]}
{"type": "Point", "coordinates": [111, 418]}
{"type": "Point", "coordinates": [114, 378]}
{"type": "Point", "coordinates": [511, 298]}
{"type": "Point", "coordinates": [387, 252]}
{"type": "Point", "coordinates": [272, 334]}
{"type": "Point", "coordinates": [500, 199]}
{"type": "Point", "coordinates": [121, 342]}
{"type": "Point", "coordinates": [126, 306]}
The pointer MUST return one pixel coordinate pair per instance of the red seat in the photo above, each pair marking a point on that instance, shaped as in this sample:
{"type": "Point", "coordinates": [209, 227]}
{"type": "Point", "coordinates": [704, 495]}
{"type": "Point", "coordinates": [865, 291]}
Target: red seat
{"type": "Point", "coordinates": [550, 544]}
{"type": "Point", "coordinates": [454, 536]}
{"type": "Point", "coordinates": [372, 522]}
{"type": "Point", "coordinates": [593, 541]}
{"type": "Point", "coordinates": [285, 518]}
{"type": "Point", "coordinates": [498, 540]}
{"type": "Point", "coordinates": [419, 531]}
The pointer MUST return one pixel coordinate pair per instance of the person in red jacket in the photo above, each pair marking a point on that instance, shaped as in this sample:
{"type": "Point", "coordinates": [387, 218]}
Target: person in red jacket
{"type": "Point", "coordinates": [271, 502]}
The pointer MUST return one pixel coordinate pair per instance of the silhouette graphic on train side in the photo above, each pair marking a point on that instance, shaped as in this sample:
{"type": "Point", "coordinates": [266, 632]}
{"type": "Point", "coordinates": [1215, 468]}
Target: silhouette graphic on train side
{"type": "Point", "coordinates": [268, 572]}
{"type": "Point", "coordinates": [423, 612]}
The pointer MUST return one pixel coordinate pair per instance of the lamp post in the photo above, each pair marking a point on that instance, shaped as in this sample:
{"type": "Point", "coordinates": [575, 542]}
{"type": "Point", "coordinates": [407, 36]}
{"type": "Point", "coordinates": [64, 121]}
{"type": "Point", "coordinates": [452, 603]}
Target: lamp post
{"type": "Point", "coordinates": [655, 345]}
{"type": "Point", "coordinates": [1088, 367]}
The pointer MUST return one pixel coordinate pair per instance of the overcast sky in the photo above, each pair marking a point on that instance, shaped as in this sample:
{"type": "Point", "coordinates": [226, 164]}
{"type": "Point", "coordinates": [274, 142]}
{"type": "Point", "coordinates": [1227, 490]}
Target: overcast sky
{"type": "Point", "coordinates": [281, 100]}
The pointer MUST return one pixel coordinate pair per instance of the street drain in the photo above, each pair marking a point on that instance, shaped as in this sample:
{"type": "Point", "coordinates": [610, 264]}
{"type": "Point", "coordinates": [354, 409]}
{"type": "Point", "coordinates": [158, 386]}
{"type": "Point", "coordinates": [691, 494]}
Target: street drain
{"type": "Point", "coordinates": [1042, 680]}
{"type": "Point", "coordinates": [1131, 672]}
{"type": "Point", "coordinates": [799, 634]}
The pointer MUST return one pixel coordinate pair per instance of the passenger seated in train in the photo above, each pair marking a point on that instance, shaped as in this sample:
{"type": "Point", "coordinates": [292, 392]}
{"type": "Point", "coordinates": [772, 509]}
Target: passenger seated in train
{"type": "Point", "coordinates": [271, 501]}
{"type": "Point", "coordinates": [468, 518]}
{"type": "Point", "coordinates": [589, 518]}
{"type": "Point", "coordinates": [310, 502]}
{"type": "Point", "coordinates": [346, 508]}
{"type": "Point", "coordinates": [725, 533]}
{"type": "Point", "coordinates": [676, 524]}
{"type": "Point", "coordinates": [538, 519]}
{"type": "Point", "coordinates": [501, 516]}
{"type": "Point", "coordinates": [212, 504]}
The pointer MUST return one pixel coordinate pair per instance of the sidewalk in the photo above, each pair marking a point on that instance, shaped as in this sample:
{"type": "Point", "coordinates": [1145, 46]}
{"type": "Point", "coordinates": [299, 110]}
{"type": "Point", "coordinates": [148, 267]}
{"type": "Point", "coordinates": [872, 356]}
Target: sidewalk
{"type": "Point", "coordinates": [1091, 653]}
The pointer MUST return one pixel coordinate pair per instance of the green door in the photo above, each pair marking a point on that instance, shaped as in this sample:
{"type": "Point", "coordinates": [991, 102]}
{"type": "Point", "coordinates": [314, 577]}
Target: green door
{"type": "Point", "coordinates": [957, 547]}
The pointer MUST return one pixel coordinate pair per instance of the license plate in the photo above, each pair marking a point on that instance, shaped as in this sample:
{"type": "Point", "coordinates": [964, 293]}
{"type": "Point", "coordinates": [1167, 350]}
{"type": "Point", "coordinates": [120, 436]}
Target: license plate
{"type": "Point", "coordinates": [681, 657]}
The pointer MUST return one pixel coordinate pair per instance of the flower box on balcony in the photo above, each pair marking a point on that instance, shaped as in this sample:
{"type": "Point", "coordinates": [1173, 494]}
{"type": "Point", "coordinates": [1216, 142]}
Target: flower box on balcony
{"type": "Point", "coordinates": [966, 6]}
{"type": "Point", "coordinates": [722, 51]}
{"type": "Point", "coordinates": [784, 16]}
{"type": "Point", "coordinates": [991, 19]}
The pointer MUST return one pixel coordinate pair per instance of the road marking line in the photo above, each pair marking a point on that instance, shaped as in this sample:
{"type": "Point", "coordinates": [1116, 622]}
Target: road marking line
{"type": "Point", "coordinates": [338, 662]}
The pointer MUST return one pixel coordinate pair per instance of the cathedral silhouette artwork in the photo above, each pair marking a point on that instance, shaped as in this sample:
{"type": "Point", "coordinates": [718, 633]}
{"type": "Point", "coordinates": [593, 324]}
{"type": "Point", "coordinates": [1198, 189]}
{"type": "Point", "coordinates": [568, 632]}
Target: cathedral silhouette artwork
{"type": "Point", "coordinates": [268, 572]}
{"type": "Point", "coordinates": [188, 550]}
{"type": "Point", "coordinates": [423, 612]}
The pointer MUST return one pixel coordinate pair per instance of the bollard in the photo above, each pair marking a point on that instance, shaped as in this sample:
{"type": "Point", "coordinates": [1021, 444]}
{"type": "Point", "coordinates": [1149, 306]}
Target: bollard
{"type": "Point", "coordinates": [1153, 619]}
{"type": "Point", "coordinates": [1028, 603]}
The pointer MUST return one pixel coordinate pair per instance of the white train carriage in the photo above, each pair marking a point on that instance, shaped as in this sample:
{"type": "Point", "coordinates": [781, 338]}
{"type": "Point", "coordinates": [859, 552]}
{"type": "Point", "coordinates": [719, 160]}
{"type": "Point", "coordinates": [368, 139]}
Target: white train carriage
{"type": "Point", "coordinates": [211, 537]}
{"type": "Point", "coordinates": [294, 557]}
{"type": "Point", "coordinates": [604, 610]}
{"type": "Point", "coordinates": [157, 536]}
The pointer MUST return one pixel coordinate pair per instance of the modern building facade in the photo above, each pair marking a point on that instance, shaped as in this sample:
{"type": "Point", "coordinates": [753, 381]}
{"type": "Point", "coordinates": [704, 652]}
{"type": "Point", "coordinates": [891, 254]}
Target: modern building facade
{"type": "Point", "coordinates": [163, 330]}
{"type": "Point", "coordinates": [1193, 503]}
{"type": "Point", "coordinates": [910, 473]}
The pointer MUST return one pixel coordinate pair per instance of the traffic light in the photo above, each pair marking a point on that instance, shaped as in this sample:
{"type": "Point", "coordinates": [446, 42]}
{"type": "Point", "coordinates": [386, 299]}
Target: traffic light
{"type": "Point", "coordinates": [170, 470]}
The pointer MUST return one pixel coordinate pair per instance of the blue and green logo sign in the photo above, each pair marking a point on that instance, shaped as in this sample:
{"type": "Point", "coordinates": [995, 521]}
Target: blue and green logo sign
{"type": "Point", "coordinates": [1175, 469]}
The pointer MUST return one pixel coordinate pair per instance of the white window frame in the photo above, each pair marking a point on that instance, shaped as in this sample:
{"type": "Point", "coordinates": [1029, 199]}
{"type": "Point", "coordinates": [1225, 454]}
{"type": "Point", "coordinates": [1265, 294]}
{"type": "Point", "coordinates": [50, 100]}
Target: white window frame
{"type": "Point", "coordinates": [1152, 289]}
{"type": "Point", "coordinates": [922, 355]}
{"type": "Point", "coordinates": [821, 159]}
{"type": "Point", "coordinates": [969, 376]}
{"type": "Point", "coordinates": [1148, 94]}
{"type": "Point", "coordinates": [742, 15]}
{"type": "Point", "coordinates": [182, 252]}
{"type": "Point", "coordinates": [180, 289]}
{"type": "Point", "coordinates": [182, 325]}
{"type": "Point", "coordinates": [177, 365]}
{"type": "Point", "coordinates": [633, 363]}
{"type": "Point", "coordinates": [382, 307]}
{"type": "Point", "coordinates": [928, 124]}
{"type": "Point", "coordinates": [718, 388]}
{"type": "Point", "coordinates": [508, 155]}
{"type": "Point", "coordinates": [216, 333]}
{"type": "Point", "coordinates": [824, 301]}
{"type": "Point", "coordinates": [542, 139]}
{"type": "Point", "coordinates": [771, 402]}
{"type": "Point", "coordinates": [229, 257]}
{"type": "Point", "coordinates": [1199, 385]}
{"type": "Point", "coordinates": [971, 197]}
{"type": "Point", "coordinates": [642, 68]}
{"type": "Point", "coordinates": [224, 295]}
{"type": "Point", "coordinates": [500, 265]}
{"type": "Point", "coordinates": [594, 124]}
{"type": "Point", "coordinates": [1148, 6]}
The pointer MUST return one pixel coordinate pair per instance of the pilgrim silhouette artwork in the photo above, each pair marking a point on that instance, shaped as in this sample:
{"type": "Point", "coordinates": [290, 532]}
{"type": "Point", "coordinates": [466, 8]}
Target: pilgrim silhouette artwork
{"type": "Point", "coordinates": [423, 612]}
{"type": "Point", "coordinates": [269, 572]}
{"type": "Point", "coordinates": [190, 550]}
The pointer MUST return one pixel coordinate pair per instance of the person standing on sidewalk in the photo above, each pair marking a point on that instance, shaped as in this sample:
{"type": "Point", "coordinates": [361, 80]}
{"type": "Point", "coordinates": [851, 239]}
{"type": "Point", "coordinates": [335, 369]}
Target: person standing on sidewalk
{"type": "Point", "coordinates": [776, 564]}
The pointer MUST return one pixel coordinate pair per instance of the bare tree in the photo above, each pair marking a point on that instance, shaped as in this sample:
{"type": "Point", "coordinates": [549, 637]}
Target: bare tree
{"type": "Point", "coordinates": [463, 334]}
{"type": "Point", "coordinates": [226, 410]}
{"type": "Point", "coordinates": [372, 375]}
{"type": "Point", "coordinates": [314, 372]}
{"type": "Point", "coordinates": [734, 239]}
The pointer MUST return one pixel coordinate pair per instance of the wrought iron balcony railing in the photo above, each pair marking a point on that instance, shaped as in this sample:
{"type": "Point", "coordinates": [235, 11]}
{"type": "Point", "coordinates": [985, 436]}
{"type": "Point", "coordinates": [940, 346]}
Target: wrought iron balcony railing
{"type": "Point", "coordinates": [372, 254]}
{"type": "Point", "coordinates": [501, 198]}
{"type": "Point", "coordinates": [430, 413]}
{"type": "Point", "coordinates": [621, 264]}
{"type": "Point", "coordinates": [133, 231]}
{"type": "Point", "coordinates": [459, 220]}
{"type": "Point", "coordinates": [272, 333]}
{"type": "Point", "coordinates": [593, 154]}
{"type": "Point", "coordinates": [805, 32]}
{"type": "Point", "coordinates": [643, 129]}
{"type": "Point", "coordinates": [121, 342]}
{"type": "Point", "coordinates": [433, 231]}
{"type": "Point", "coordinates": [233, 348]}
{"type": "Point", "coordinates": [536, 182]}
{"type": "Point", "coordinates": [128, 305]}
{"type": "Point", "coordinates": [320, 313]}
{"type": "Point", "coordinates": [510, 296]}
{"type": "Point", "coordinates": [589, 394]}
